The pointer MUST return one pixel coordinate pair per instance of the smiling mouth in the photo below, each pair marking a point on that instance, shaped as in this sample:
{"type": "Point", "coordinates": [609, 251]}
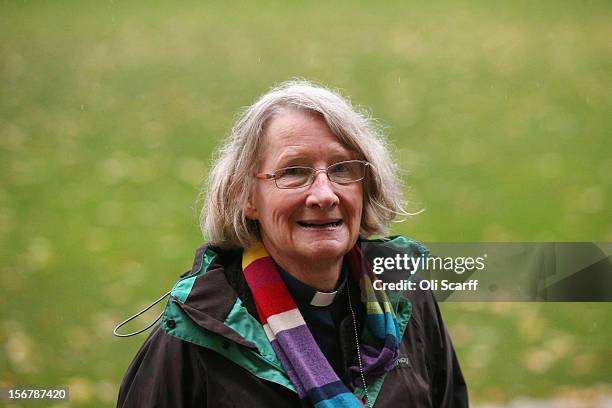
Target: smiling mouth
{"type": "Point", "coordinates": [322, 224]}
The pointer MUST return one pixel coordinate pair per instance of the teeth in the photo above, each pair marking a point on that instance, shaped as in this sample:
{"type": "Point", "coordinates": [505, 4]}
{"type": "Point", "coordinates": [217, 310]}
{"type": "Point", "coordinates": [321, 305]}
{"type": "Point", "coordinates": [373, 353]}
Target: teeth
{"type": "Point", "coordinates": [329, 224]}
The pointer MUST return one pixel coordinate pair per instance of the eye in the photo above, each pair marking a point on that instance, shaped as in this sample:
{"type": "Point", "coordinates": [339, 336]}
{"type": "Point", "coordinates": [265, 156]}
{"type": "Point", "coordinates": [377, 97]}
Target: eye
{"type": "Point", "coordinates": [293, 172]}
{"type": "Point", "coordinates": [293, 177]}
{"type": "Point", "coordinates": [339, 168]}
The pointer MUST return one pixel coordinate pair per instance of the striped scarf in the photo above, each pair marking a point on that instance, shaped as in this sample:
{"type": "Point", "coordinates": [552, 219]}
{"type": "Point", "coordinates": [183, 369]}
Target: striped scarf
{"type": "Point", "coordinates": [296, 348]}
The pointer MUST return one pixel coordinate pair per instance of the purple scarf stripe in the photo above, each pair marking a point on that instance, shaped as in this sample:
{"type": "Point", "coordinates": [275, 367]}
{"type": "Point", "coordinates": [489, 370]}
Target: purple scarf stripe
{"type": "Point", "coordinates": [308, 354]}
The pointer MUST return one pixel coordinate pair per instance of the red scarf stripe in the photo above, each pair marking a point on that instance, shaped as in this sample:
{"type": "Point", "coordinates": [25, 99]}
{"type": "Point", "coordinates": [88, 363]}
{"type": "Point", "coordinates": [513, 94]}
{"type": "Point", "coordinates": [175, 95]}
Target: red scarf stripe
{"type": "Point", "coordinates": [262, 270]}
{"type": "Point", "coordinates": [271, 300]}
{"type": "Point", "coordinates": [269, 290]}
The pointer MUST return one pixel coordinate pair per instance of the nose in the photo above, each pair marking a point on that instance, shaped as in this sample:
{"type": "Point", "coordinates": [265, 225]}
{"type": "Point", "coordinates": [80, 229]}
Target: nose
{"type": "Point", "coordinates": [321, 193]}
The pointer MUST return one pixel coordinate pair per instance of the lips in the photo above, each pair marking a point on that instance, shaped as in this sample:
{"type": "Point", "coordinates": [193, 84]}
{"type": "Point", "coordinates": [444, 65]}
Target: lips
{"type": "Point", "coordinates": [320, 223]}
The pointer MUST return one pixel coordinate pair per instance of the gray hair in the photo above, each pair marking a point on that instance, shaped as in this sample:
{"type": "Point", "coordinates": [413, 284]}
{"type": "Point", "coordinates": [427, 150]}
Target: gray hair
{"type": "Point", "coordinates": [231, 180]}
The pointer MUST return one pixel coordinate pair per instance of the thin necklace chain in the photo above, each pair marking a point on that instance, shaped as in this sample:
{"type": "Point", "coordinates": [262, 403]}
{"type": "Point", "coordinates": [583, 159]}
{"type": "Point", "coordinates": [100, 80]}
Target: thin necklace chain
{"type": "Point", "coordinates": [365, 387]}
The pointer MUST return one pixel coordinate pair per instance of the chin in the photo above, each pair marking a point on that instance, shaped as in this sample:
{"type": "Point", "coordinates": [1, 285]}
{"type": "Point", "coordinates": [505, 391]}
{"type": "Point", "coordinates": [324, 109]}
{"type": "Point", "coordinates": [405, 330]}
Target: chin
{"type": "Point", "coordinates": [326, 249]}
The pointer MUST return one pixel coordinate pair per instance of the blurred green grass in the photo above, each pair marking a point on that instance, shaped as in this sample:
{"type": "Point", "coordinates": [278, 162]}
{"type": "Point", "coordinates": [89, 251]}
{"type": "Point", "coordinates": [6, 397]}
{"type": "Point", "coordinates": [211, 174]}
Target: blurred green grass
{"type": "Point", "coordinates": [109, 112]}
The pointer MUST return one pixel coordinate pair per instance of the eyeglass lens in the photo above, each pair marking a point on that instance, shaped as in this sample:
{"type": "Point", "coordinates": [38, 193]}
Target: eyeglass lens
{"type": "Point", "coordinates": [341, 173]}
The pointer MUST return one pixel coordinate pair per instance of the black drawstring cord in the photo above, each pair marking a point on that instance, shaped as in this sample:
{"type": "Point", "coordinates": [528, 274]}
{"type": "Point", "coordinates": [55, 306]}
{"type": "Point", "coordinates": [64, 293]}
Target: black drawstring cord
{"type": "Point", "coordinates": [120, 325]}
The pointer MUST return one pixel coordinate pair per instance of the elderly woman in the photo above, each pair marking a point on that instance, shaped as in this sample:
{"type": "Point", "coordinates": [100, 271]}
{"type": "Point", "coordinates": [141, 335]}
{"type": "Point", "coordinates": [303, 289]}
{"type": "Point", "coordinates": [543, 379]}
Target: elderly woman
{"type": "Point", "coordinates": [278, 309]}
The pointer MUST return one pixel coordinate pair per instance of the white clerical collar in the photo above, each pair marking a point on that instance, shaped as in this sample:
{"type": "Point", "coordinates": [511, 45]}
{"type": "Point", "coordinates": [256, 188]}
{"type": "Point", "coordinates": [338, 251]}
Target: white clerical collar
{"type": "Point", "coordinates": [323, 298]}
{"type": "Point", "coordinates": [304, 294]}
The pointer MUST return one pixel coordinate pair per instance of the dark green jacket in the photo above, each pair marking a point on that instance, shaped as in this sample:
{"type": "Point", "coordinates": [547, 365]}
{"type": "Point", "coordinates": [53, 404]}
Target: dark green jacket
{"type": "Point", "coordinates": [211, 351]}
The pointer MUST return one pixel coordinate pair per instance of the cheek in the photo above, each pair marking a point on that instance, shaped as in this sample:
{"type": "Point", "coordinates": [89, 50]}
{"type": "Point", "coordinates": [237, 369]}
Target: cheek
{"type": "Point", "coordinates": [353, 204]}
{"type": "Point", "coordinates": [358, 216]}
{"type": "Point", "coordinates": [356, 202]}
{"type": "Point", "coordinates": [275, 209]}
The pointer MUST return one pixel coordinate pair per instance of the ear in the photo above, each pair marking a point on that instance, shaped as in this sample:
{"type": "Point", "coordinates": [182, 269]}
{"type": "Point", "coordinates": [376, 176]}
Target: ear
{"type": "Point", "coordinates": [250, 211]}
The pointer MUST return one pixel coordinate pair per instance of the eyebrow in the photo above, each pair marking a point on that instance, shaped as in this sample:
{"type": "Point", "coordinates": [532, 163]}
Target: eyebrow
{"type": "Point", "coordinates": [297, 155]}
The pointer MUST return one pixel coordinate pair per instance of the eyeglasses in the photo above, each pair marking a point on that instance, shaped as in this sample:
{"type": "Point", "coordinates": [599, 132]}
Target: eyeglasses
{"type": "Point", "coordinates": [345, 172]}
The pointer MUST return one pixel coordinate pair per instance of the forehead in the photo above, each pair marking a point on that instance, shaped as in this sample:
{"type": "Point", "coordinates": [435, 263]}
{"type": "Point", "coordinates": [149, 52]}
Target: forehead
{"type": "Point", "coordinates": [301, 134]}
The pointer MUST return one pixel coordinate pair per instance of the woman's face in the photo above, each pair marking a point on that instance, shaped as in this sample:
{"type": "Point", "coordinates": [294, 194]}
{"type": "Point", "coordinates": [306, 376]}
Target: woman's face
{"type": "Point", "coordinates": [295, 223]}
